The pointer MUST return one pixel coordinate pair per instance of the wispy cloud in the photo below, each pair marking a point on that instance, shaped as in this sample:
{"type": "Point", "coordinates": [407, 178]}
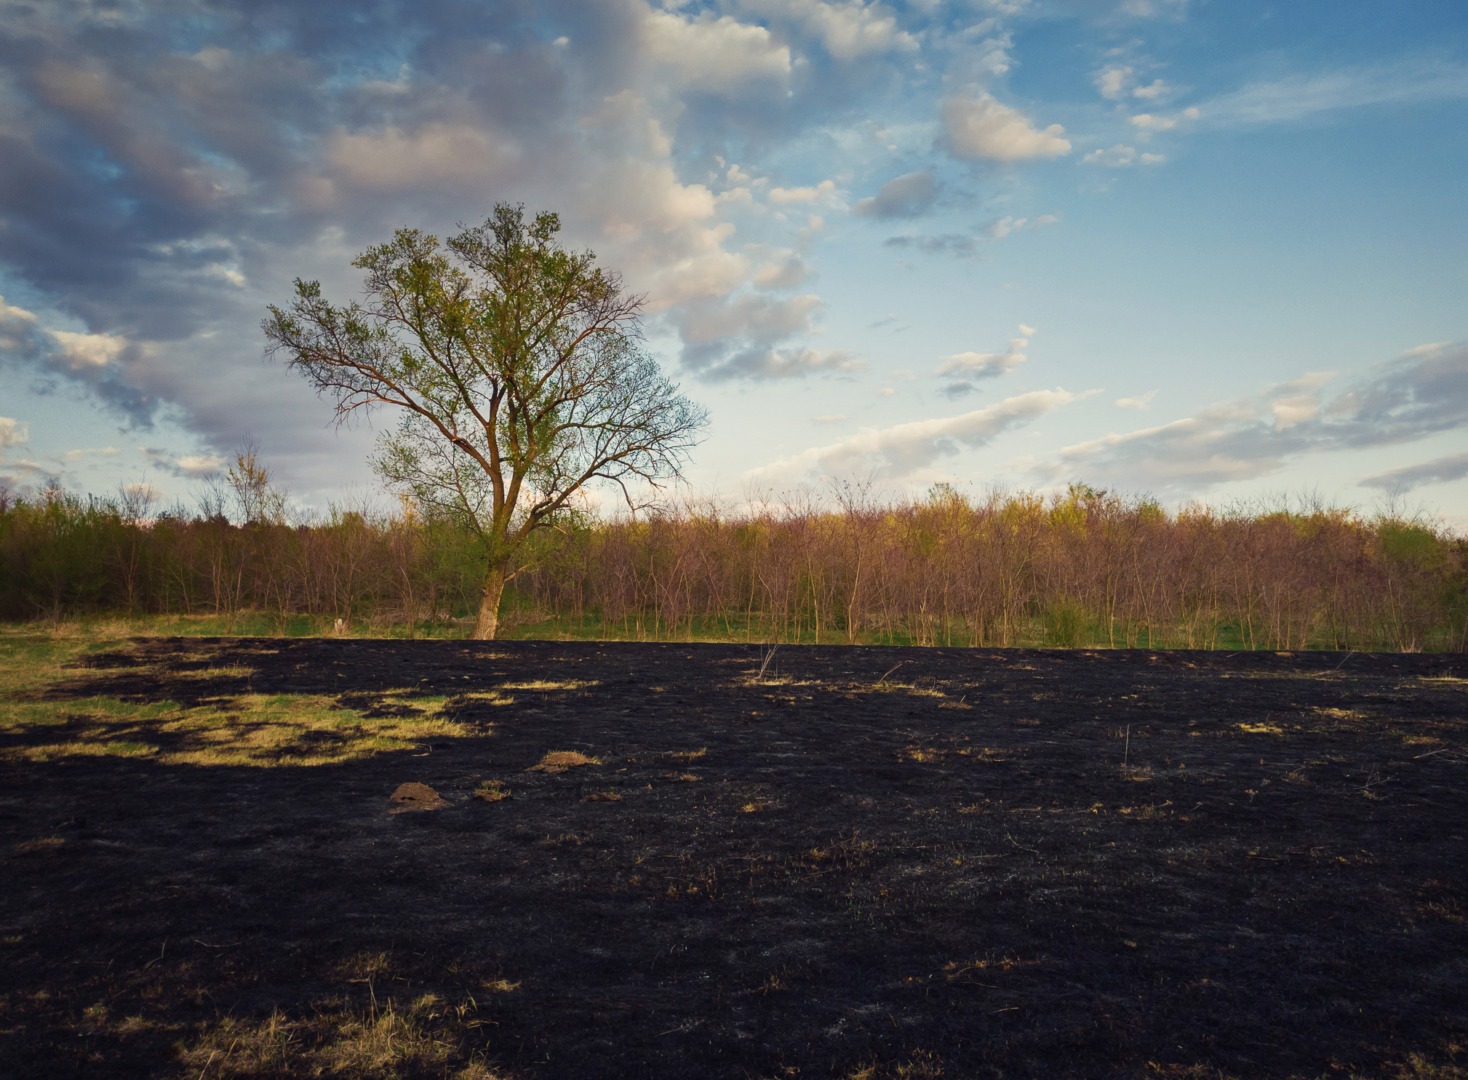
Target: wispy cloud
{"type": "Point", "coordinates": [186, 466]}
{"type": "Point", "coordinates": [1140, 403]}
{"type": "Point", "coordinates": [1437, 471]}
{"type": "Point", "coordinates": [1122, 156]}
{"type": "Point", "coordinates": [966, 369]}
{"type": "Point", "coordinates": [1298, 97]}
{"type": "Point", "coordinates": [1415, 396]}
{"type": "Point", "coordinates": [968, 245]}
{"type": "Point", "coordinates": [892, 453]}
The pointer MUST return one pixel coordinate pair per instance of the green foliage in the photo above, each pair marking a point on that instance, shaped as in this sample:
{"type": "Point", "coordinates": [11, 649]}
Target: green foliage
{"type": "Point", "coordinates": [1067, 625]}
{"type": "Point", "coordinates": [518, 370]}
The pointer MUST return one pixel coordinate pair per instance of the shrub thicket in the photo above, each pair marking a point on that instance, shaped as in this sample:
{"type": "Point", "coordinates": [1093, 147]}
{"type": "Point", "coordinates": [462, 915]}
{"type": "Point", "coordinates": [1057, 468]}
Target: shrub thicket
{"type": "Point", "coordinates": [1085, 568]}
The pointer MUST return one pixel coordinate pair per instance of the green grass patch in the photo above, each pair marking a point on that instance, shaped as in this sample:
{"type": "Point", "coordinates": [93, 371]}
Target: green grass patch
{"type": "Point", "coordinates": [42, 719]}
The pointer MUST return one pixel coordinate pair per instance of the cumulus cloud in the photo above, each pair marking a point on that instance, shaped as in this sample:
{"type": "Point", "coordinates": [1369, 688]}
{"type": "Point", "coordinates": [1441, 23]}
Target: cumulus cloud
{"type": "Point", "coordinates": [746, 337]}
{"type": "Point", "coordinates": [81, 351]}
{"type": "Point", "coordinates": [164, 181]}
{"type": "Point", "coordinates": [785, 272]}
{"type": "Point", "coordinates": [847, 31]}
{"type": "Point", "coordinates": [977, 126]}
{"type": "Point", "coordinates": [892, 453]}
{"type": "Point", "coordinates": [1440, 470]}
{"type": "Point", "coordinates": [720, 55]}
{"type": "Point", "coordinates": [909, 195]}
{"type": "Point", "coordinates": [1415, 396]}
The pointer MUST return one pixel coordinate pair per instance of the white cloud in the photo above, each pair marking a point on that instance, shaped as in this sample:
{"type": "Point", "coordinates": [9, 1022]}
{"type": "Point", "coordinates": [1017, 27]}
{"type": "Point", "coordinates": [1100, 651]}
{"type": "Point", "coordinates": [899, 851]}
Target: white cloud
{"type": "Point", "coordinates": [398, 159]}
{"type": "Point", "coordinates": [13, 433]}
{"type": "Point", "coordinates": [1429, 349]}
{"type": "Point", "coordinates": [898, 451]}
{"type": "Point", "coordinates": [1150, 123]}
{"type": "Point", "coordinates": [19, 330]}
{"type": "Point", "coordinates": [966, 368]}
{"type": "Point", "coordinates": [79, 352]}
{"type": "Point", "coordinates": [1296, 97]}
{"type": "Point", "coordinates": [785, 272]}
{"type": "Point", "coordinates": [1151, 9]}
{"type": "Point", "coordinates": [11, 314]}
{"type": "Point", "coordinates": [1122, 156]}
{"type": "Point", "coordinates": [760, 318]}
{"type": "Point", "coordinates": [847, 31]}
{"type": "Point", "coordinates": [773, 363]}
{"type": "Point", "coordinates": [1289, 411]}
{"type": "Point", "coordinates": [1253, 436]}
{"type": "Point", "coordinates": [1138, 403]}
{"type": "Point", "coordinates": [187, 466]}
{"type": "Point", "coordinates": [722, 55]}
{"type": "Point", "coordinates": [1156, 90]}
{"type": "Point", "coordinates": [82, 453]}
{"type": "Point", "coordinates": [829, 418]}
{"type": "Point", "coordinates": [1113, 81]}
{"type": "Point", "coordinates": [975, 365]}
{"type": "Point", "coordinates": [743, 338]}
{"type": "Point", "coordinates": [782, 196]}
{"type": "Point", "coordinates": [981, 127]}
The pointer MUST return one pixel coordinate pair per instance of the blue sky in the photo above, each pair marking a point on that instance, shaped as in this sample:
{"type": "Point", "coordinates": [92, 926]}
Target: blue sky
{"type": "Point", "coordinates": [1198, 250]}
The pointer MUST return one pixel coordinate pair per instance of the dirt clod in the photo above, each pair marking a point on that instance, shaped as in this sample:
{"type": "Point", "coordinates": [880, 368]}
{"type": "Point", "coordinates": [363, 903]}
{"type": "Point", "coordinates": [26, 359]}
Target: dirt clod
{"type": "Point", "coordinates": [414, 796]}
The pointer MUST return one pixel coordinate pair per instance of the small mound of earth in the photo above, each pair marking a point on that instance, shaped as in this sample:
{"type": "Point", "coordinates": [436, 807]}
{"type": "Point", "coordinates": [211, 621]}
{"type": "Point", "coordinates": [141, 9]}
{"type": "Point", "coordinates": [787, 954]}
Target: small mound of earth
{"type": "Point", "coordinates": [415, 796]}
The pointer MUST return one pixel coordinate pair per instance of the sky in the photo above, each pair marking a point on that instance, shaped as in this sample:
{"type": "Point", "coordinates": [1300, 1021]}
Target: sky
{"type": "Point", "coordinates": [1196, 250]}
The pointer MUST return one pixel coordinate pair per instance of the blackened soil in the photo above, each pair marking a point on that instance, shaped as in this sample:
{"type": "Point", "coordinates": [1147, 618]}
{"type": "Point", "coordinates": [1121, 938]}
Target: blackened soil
{"type": "Point", "coordinates": [928, 862]}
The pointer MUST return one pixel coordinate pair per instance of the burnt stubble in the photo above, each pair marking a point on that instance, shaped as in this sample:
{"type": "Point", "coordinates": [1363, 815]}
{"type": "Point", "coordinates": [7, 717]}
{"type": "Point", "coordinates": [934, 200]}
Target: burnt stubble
{"type": "Point", "coordinates": [918, 862]}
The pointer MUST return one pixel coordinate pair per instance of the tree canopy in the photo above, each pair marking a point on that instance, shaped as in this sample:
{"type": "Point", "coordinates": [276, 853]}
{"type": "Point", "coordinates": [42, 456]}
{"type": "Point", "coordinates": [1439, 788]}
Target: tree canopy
{"type": "Point", "coordinates": [518, 367]}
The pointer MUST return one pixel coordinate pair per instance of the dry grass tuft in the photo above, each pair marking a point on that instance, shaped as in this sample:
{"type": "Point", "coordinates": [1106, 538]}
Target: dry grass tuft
{"type": "Point", "coordinates": [920, 1066]}
{"type": "Point", "coordinates": [602, 796]}
{"type": "Point", "coordinates": [492, 791]}
{"type": "Point", "coordinates": [547, 684]}
{"type": "Point", "coordinates": [423, 1039]}
{"type": "Point", "coordinates": [46, 845]}
{"type": "Point", "coordinates": [559, 761]}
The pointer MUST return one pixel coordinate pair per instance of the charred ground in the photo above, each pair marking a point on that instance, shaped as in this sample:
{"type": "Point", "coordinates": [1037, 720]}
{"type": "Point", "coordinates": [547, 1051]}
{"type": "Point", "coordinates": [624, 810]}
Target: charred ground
{"type": "Point", "coordinates": [909, 862]}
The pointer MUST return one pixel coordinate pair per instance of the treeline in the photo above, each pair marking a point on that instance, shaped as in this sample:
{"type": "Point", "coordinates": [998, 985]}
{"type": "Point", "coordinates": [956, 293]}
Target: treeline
{"type": "Point", "coordinates": [1085, 568]}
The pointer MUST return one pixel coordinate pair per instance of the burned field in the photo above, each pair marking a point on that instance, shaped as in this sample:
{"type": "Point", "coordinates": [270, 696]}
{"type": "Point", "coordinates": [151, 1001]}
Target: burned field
{"type": "Point", "coordinates": [703, 861]}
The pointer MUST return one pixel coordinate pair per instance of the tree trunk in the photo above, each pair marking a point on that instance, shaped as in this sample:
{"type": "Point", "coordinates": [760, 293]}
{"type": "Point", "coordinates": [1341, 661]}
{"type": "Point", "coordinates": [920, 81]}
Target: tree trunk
{"type": "Point", "coordinates": [489, 606]}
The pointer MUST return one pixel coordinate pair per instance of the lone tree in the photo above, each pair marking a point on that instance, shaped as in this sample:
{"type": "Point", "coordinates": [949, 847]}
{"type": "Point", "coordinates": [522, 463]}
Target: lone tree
{"type": "Point", "coordinates": [519, 370]}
